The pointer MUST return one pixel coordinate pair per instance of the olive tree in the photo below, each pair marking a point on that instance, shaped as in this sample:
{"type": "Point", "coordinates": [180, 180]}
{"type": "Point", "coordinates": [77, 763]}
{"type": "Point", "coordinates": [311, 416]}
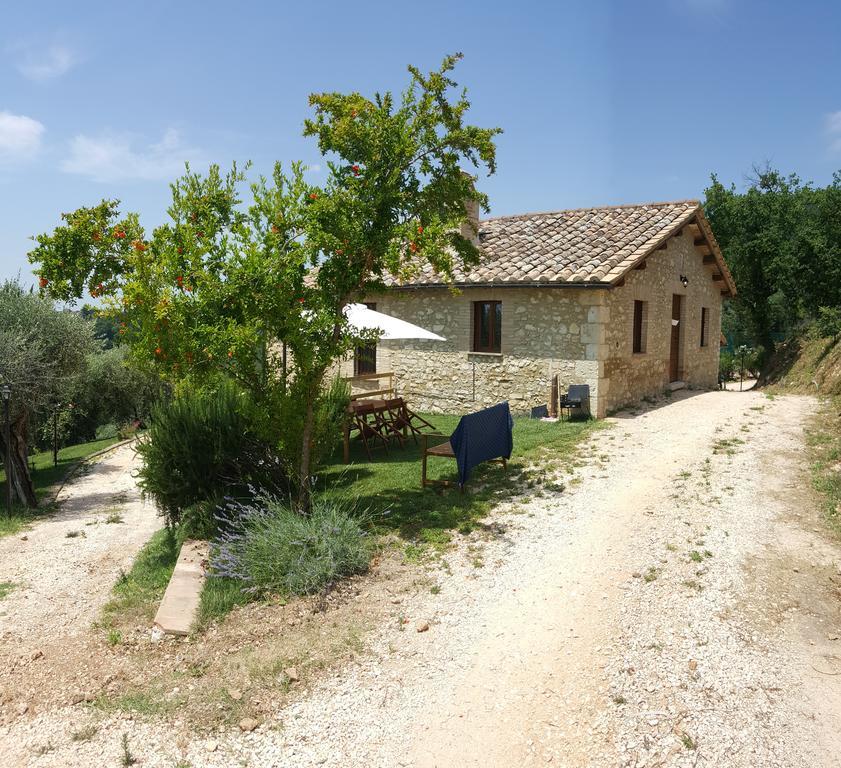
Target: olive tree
{"type": "Point", "coordinates": [41, 350]}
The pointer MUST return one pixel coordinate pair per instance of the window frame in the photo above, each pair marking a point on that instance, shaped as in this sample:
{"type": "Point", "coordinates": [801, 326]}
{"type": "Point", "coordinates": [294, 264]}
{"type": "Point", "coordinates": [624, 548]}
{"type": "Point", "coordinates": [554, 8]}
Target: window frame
{"type": "Point", "coordinates": [494, 345]}
{"type": "Point", "coordinates": [705, 330]}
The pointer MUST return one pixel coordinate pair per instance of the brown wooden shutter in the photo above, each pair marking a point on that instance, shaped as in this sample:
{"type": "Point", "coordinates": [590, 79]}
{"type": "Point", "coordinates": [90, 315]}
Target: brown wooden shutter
{"type": "Point", "coordinates": [638, 306]}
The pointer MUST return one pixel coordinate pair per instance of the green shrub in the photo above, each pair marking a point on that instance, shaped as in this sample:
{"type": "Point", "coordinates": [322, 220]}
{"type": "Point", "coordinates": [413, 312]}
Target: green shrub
{"type": "Point", "coordinates": [105, 431]}
{"type": "Point", "coordinates": [198, 521]}
{"type": "Point", "coordinates": [271, 548]}
{"type": "Point", "coordinates": [726, 366]}
{"type": "Point", "coordinates": [828, 322]}
{"type": "Point", "coordinates": [287, 412]}
{"type": "Point", "coordinates": [201, 446]}
{"type": "Point", "coordinates": [330, 414]}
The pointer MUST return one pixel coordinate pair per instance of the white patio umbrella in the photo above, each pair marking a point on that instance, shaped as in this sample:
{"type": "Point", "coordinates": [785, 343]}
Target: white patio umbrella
{"type": "Point", "coordinates": [363, 319]}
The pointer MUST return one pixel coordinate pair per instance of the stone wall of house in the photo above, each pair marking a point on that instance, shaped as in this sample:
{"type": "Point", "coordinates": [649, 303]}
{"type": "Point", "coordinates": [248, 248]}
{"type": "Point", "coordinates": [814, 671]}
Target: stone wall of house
{"type": "Point", "coordinates": [632, 375]}
{"type": "Point", "coordinates": [584, 335]}
{"type": "Point", "coordinates": [545, 331]}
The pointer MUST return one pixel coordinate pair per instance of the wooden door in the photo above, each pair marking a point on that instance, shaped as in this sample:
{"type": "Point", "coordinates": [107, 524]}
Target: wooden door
{"type": "Point", "coordinates": [674, 350]}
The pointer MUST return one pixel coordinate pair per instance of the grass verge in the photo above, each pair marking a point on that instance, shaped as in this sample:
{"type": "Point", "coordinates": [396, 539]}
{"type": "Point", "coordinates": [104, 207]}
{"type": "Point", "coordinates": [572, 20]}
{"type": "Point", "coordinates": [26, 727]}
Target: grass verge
{"type": "Point", "coordinates": [824, 440]}
{"type": "Point", "coordinates": [146, 702]}
{"type": "Point", "coordinates": [45, 478]}
{"type": "Point", "coordinates": [389, 487]}
{"type": "Point", "coordinates": [219, 596]}
{"type": "Point", "coordinates": [389, 492]}
{"type": "Point", "coordinates": [138, 592]}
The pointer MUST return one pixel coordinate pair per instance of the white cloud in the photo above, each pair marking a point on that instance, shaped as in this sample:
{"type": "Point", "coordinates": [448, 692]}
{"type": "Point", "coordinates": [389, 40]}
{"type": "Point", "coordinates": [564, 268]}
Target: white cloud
{"type": "Point", "coordinates": [20, 136]}
{"type": "Point", "coordinates": [833, 130]}
{"type": "Point", "coordinates": [112, 157]}
{"type": "Point", "coordinates": [313, 168]}
{"type": "Point", "coordinates": [44, 64]}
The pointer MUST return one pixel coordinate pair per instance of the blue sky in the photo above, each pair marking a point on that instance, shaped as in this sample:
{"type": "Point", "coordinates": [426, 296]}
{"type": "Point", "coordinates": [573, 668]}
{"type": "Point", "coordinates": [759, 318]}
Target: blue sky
{"type": "Point", "coordinates": [601, 102]}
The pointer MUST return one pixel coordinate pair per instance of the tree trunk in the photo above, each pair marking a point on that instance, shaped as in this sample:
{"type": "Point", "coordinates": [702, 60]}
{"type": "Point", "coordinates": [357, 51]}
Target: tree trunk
{"type": "Point", "coordinates": [18, 454]}
{"type": "Point", "coordinates": [304, 501]}
{"type": "Point", "coordinates": [304, 484]}
{"type": "Point", "coordinates": [767, 343]}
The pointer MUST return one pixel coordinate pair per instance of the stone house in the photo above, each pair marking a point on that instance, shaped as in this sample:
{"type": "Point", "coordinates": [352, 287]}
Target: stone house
{"type": "Point", "coordinates": [626, 299]}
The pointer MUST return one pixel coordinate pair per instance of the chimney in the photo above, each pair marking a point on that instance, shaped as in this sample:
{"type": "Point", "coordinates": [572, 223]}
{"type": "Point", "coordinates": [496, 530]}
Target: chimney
{"type": "Point", "coordinates": [469, 228]}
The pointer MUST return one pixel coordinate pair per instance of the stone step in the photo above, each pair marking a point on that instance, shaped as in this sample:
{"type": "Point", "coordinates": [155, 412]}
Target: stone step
{"type": "Point", "coordinates": [179, 607]}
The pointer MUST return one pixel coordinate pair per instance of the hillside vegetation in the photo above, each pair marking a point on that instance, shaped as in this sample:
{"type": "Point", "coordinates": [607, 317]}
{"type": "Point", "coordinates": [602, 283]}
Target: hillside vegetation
{"type": "Point", "coordinates": [812, 365]}
{"type": "Point", "coordinates": [807, 365]}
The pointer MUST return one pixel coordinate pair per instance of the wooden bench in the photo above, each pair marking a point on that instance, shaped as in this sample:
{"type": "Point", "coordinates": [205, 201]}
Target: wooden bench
{"type": "Point", "coordinates": [488, 439]}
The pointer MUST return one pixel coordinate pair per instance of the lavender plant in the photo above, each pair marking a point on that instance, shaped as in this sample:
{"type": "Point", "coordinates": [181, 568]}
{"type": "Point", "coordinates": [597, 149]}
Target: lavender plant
{"type": "Point", "coordinates": [269, 547]}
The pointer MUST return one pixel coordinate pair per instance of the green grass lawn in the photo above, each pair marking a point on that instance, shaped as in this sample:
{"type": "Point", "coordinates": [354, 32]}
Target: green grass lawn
{"type": "Point", "coordinates": [46, 477]}
{"type": "Point", "coordinates": [388, 489]}
{"type": "Point", "coordinates": [137, 593]}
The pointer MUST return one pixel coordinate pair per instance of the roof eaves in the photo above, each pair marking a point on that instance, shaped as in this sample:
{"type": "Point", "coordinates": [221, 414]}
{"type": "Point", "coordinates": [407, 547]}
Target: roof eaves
{"type": "Point", "coordinates": [502, 284]}
{"type": "Point", "coordinates": [641, 254]}
{"type": "Point", "coordinates": [707, 231]}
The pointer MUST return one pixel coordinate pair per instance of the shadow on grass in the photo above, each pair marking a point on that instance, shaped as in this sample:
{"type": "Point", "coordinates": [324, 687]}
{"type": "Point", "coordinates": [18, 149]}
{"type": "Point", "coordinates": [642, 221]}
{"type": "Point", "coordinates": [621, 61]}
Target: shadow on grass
{"type": "Point", "coordinates": [389, 486]}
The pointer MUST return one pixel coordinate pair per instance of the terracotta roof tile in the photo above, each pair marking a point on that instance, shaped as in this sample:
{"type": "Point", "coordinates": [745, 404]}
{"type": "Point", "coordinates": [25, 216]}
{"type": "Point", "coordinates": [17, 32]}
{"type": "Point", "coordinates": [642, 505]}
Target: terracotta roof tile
{"type": "Point", "coordinates": [583, 245]}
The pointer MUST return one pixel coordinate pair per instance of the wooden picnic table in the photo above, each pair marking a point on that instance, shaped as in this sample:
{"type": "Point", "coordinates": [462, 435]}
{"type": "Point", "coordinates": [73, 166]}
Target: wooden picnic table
{"type": "Point", "coordinates": [381, 420]}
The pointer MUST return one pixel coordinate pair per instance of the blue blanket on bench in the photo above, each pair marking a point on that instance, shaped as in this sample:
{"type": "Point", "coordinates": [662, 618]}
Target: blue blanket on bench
{"type": "Point", "coordinates": [481, 436]}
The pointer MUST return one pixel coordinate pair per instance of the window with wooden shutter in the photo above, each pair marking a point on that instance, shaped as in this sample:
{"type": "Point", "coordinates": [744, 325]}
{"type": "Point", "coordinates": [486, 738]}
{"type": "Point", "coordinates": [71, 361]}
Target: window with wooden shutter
{"type": "Point", "coordinates": [705, 326]}
{"type": "Point", "coordinates": [639, 327]}
{"type": "Point", "coordinates": [365, 355]}
{"type": "Point", "coordinates": [487, 326]}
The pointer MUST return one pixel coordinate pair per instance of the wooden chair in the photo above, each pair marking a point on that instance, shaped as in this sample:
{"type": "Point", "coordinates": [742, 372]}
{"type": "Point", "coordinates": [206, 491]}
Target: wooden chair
{"type": "Point", "coordinates": [366, 419]}
{"type": "Point", "coordinates": [443, 450]}
{"type": "Point", "coordinates": [407, 421]}
{"type": "Point", "coordinates": [389, 421]}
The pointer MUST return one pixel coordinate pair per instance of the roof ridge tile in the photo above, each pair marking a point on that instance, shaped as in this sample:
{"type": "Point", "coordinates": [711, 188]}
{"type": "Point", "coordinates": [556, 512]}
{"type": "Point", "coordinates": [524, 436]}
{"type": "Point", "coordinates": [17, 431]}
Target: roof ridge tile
{"type": "Point", "coordinates": [619, 206]}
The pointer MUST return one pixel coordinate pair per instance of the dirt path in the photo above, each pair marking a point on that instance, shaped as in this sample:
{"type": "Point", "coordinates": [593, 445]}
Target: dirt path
{"type": "Point", "coordinates": [63, 569]}
{"type": "Point", "coordinates": [671, 610]}
{"type": "Point", "coordinates": [677, 604]}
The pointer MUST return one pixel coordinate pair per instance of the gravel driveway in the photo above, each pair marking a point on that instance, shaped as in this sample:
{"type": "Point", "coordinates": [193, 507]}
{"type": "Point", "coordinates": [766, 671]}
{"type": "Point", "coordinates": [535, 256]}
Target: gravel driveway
{"type": "Point", "coordinates": [63, 569]}
{"type": "Point", "coordinates": [677, 604]}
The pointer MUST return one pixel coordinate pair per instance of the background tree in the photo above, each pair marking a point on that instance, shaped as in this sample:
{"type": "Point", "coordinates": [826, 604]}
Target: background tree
{"type": "Point", "coordinates": [109, 392]}
{"type": "Point", "coordinates": [106, 329]}
{"type": "Point", "coordinates": [42, 349]}
{"type": "Point", "coordinates": [782, 240]}
{"type": "Point", "coordinates": [215, 286]}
